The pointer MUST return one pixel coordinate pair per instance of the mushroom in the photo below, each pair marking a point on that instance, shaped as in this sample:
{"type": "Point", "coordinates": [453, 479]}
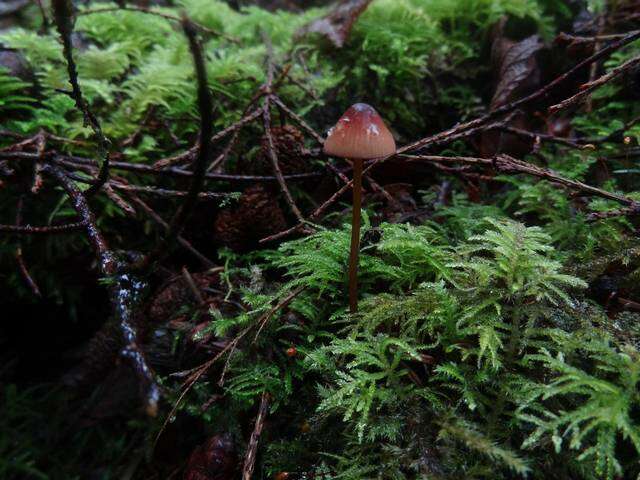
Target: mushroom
{"type": "Point", "coordinates": [359, 135]}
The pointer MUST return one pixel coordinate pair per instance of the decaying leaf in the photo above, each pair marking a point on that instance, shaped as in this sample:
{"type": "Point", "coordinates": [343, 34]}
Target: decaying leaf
{"type": "Point", "coordinates": [516, 67]}
{"type": "Point", "coordinates": [517, 73]}
{"type": "Point", "coordinates": [337, 24]}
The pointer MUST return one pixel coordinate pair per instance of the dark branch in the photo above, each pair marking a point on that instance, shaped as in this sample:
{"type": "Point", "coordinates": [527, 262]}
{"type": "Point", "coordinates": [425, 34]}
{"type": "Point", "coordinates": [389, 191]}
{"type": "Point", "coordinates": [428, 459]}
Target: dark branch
{"type": "Point", "coordinates": [20, 259]}
{"type": "Point", "coordinates": [587, 88]}
{"type": "Point", "coordinates": [41, 230]}
{"type": "Point", "coordinates": [205, 107]}
{"type": "Point", "coordinates": [63, 14]}
{"type": "Point", "coordinates": [123, 289]}
{"type": "Point", "coordinates": [510, 107]}
{"type": "Point", "coordinates": [252, 448]}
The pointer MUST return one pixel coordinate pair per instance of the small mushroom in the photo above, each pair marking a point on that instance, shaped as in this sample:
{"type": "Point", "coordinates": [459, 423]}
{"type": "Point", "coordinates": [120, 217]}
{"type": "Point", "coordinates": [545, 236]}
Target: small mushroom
{"type": "Point", "coordinates": [359, 135]}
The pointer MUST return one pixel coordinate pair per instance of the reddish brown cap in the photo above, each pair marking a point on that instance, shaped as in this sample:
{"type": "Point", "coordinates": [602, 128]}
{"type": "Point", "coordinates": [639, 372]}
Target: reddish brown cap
{"type": "Point", "coordinates": [360, 133]}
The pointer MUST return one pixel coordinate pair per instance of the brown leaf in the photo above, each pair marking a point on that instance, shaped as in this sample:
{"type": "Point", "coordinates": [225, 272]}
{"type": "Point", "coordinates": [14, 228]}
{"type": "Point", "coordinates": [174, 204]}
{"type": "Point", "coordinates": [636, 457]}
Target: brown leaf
{"type": "Point", "coordinates": [336, 25]}
{"type": "Point", "coordinates": [516, 68]}
{"type": "Point", "coordinates": [517, 71]}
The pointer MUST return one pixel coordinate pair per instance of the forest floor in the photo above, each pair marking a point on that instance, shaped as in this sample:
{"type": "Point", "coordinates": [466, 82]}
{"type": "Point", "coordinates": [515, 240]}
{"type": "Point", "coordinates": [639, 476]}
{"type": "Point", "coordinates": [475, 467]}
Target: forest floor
{"type": "Point", "coordinates": [175, 240]}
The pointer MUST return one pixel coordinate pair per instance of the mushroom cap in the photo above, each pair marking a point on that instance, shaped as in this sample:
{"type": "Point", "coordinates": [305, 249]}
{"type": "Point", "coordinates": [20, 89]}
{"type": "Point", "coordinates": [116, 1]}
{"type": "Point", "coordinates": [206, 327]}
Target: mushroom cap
{"type": "Point", "coordinates": [360, 133]}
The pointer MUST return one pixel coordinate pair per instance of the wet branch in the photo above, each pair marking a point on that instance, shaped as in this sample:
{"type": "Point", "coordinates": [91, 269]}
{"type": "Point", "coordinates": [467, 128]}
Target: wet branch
{"type": "Point", "coordinates": [587, 88]}
{"type": "Point", "coordinates": [63, 15]}
{"type": "Point", "coordinates": [510, 165]}
{"type": "Point", "coordinates": [124, 290]}
{"type": "Point", "coordinates": [205, 108]}
{"type": "Point", "coordinates": [252, 448]}
{"type": "Point", "coordinates": [42, 230]}
{"type": "Point", "coordinates": [24, 270]}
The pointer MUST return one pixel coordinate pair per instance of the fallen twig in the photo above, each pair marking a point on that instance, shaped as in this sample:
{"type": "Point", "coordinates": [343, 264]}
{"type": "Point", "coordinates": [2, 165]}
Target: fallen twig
{"type": "Point", "coordinates": [123, 289]}
{"type": "Point", "coordinates": [252, 448]}
{"type": "Point", "coordinates": [181, 240]}
{"type": "Point", "coordinates": [266, 123]}
{"type": "Point", "coordinates": [63, 14]}
{"type": "Point", "coordinates": [509, 107]}
{"type": "Point", "coordinates": [42, 230]}
{"type": "Point", "coordinates": [20, 259]}
{"type": "Point", "coordinates": [507, 164]}
{"type": "Point", "coordinates": [205, 108]}
{"type": "Point", "coordinates": [587, 88]}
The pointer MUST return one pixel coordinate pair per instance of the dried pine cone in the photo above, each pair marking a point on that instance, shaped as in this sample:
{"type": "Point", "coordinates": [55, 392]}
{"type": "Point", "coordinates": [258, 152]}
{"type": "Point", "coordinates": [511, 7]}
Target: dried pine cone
{"type": "Point", "coordinates": [256, 215]}
{"type": "Point", "coordinates": [175, 294]}
{"type": "Point", "coordinates": [289, 144]}
{"type": "Point", "coordinates": [214, 460]}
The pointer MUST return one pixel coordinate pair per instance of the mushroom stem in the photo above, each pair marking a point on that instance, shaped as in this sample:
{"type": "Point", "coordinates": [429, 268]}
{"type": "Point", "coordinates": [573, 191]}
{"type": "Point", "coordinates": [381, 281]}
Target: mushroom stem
{"type": "Point", "coordinates": [355, 235]}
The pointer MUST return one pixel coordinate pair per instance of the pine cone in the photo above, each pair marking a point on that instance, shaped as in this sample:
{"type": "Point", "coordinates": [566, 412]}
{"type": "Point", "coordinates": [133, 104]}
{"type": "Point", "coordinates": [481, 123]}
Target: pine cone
{"type": "Point", "coordinates": [175, 294]}
{"type": "Point", "coordinates": [289, 144]}
{"type": "Point", "coordinates": [214, 460]}
{"type": "Point", "coordinates": [257, 215]}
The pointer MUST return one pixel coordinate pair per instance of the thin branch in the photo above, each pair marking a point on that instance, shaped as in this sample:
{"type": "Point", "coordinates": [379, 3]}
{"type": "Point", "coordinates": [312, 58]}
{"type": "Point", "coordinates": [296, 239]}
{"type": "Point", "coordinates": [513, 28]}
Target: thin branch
{"type": "Point", "coordinates": [538, 94]}
{"type": "Point", "coordinates": [615, 135]}
{"type": "Point", "coordinates": [587, 88]}
{"type": "Point", "coordinates": [298, 119]}
{"type": "Point", "coordinates": [621, 212]}
{"type": "Point", "coordinates": [205, 108]}
{"type": "Point", "coordinates": [191, 153]}
{"type": "Point", "coordinates": [41, 145]}
{"type": "Point", "coordinates": [545, 137]}
{"type": "Point", "coordinates": [118, 200]}
{"type": "Point", "coordinates": [273, 156]}
{"type": "Point", "coordinates": [45, 19]}
{"type": "Point", "coordinates": [281, 304]}
{"type": "Point", "coordinates": [150, 190]}
{"type": "Point", "coordinates": [72, 161]}
{"type": "Point", "coordinates": [192, 286]}
{"type": "Point", "coordinates": [181, 240]}
{"type": "Point", "coordinates": [507, 164]}
{"type": "Point", "coordinates": [19, 257]}
{"type": "Point", "coordinates": [247, 117]}
{"type": "Point", "coordinates": [266, 123]}
{"type": "Point", "coordinates": [124, 290]}
{"type": "Point", "coordinates": [252, 448]}
{"type": "Point", "coordinates": [63, 14]}
{"type": "Point", "coordinates": [163, 192]}
{"type": "Point", "coordinates": [287, 73]}
{"type": "Point", "coordinates": [42, 230]}
{"type": "Point", "coordinates": [565, 37]}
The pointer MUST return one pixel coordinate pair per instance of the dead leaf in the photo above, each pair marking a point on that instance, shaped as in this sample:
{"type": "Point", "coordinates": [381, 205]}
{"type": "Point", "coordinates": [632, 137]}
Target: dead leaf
{"type": "Point", "coordinates": [336, 25]}
{"type": "Point", "coordinates": [517, 68]}
{"type": "Point", "coordinates": [517, 71]}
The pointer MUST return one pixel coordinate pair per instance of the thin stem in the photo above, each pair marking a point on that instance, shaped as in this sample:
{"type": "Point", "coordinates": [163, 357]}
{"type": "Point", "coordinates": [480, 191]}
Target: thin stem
{"type": "Point", "coordinates": [355, 235]}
